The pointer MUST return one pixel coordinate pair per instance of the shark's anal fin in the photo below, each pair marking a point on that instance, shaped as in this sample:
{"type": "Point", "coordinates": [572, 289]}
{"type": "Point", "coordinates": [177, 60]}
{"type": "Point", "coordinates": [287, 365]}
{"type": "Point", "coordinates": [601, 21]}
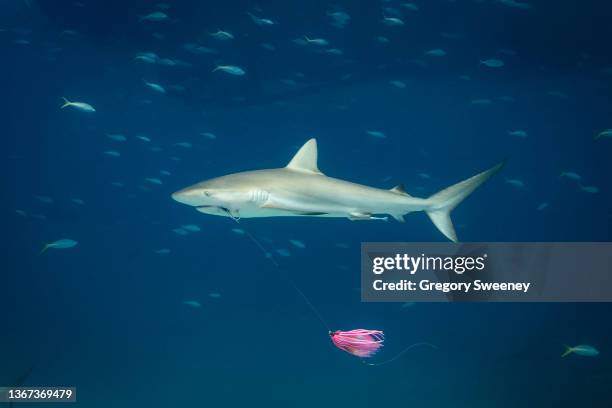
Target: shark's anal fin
{"type": "Point", "coordinates": [399, 218]}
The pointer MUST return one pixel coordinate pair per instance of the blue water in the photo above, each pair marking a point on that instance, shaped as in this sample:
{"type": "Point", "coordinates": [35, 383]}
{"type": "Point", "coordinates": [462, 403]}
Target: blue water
{"type": "Point", "coordinates": [108, 317]}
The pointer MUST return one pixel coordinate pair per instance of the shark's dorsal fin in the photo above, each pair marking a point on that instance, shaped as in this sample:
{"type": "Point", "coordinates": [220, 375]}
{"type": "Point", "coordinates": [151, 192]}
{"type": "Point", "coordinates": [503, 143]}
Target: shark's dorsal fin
{"type": "Point", "coordinates": [306, 158]}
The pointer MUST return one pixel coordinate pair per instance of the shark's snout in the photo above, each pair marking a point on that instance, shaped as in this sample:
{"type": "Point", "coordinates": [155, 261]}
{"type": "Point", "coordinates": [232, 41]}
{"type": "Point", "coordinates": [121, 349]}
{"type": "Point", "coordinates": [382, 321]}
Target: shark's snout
{"type": "Point", "coordinates": [186, 196]}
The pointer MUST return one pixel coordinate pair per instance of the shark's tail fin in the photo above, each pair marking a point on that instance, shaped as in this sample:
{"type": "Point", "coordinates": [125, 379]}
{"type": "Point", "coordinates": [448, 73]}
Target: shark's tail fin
{"type": "Point", "coordinates": [442, 203]}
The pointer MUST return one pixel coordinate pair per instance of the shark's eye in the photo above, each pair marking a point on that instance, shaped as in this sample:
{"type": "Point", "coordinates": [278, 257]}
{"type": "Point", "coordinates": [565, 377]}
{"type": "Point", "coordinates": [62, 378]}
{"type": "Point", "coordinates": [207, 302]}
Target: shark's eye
{"type": "Point", "coordinates": [207, 194]}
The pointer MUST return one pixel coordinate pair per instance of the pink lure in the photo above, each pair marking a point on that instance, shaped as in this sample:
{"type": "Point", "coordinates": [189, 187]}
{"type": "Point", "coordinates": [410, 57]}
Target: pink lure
{"type": "Point", "coordinates": [359, 342]}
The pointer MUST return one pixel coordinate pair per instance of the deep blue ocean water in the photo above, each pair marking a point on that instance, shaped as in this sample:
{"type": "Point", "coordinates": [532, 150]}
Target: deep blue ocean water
{"type": "Point", "coordinates": [108, 316]}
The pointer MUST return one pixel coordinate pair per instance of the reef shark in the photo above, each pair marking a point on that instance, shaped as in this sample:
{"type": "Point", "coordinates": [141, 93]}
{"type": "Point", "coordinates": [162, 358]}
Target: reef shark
{"type": "Point", "coordinates": [301, 189]}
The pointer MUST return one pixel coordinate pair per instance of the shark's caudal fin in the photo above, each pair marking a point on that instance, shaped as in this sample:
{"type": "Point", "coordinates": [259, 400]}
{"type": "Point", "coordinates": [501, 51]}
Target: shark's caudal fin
{"type": "Point", "coordinates": [442, 203]}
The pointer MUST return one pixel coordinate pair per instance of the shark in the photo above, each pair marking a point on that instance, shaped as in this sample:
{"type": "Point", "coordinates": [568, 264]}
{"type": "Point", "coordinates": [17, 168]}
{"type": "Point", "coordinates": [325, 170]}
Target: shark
{"type": "Point", "coordinates": [301, 189]}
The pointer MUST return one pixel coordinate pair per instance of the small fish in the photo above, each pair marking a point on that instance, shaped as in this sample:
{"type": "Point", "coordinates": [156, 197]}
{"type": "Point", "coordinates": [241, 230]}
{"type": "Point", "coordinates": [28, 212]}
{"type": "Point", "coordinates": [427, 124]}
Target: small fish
{"type": "Point", "coordinates": [155, 87]}
{"type": "Point", "coordinates": [508, 51]}
{"type": "Point", "coordinates": [222, 35]}
{"type": "Point", "coordinates": [283, 252]}
{"type": "Point", "coordinates": [147, 57]}
{"type": "Point", "coordinates": [604, 133]}
{"type": "Point", "coordinates": [144, 138]}
{"type": "Point", "coordinates": [339, 19]}
{"type": "Point", "coordinates": [406, 305]}
{"type": "Point", "coordinates": [165, 172]}
{"type": "Point", "coordinates": [82, 106]}
{"type": "Point", "coordinates": [425, 176]}
{"type": "Point", "coordinates": [209, 135]}
{"type": "Point", "coordinates": [392, 21]}
{"type": "Point", "coordinates": [518, 133]}
{"type": "Point", "coordinates": [289, 82]}
{"type": "Point", "coordinates": [483, 101]}
{"type": "Point", "coordinates": [44, 199]}
{"type": "Point", "coordinates": [78, 201]}
{"type": "Point", "coordinates": [515, 183]}
{"type": "Point", "coordinates": [558, 94]}
{"type": "Point", "coordinates": [117, 137]}
{"type": "Point", "coordinates": [163, 251]}
{"type": "Point", "coordinates": [198, 49]}
{"type": "Point", "coordinates": [214, 295]}
{"type": "Point", "coordinates": [239, 231]}
{"type": "Point", "coordinates": [186, 145]}
{"type": "Point", "coordinates": [590, 189]}
{"type": "Point", "coordinates": [191, 228]}
{"type": "Point", "coordinates": [230, 69]}
{"type": "Point", "coordinates": [398, 84]}
{"type": "Point", "coordinates": [316, 41]}
{"type": "Point", "coordinates": [334, 51]}
{"type": "Point", "coordinates": [268, 46]}
{"type": "Point", "coordinates": [516, 4]}
{"type": "Point", "coordinates": [261, 21]}
{"type": "Point", "coordinates": [117, 184]}
{"type": "Point", "coordinates": [436, 52]}
{"type": "Point", "coordinates": [376, 133]}
{"type": "Point", "coordinates": [581, 350]}
{"type": "Point", "coordinates": [493, 63]}
{"type": "Point", "coordinates": [167, 62]}
{"type": "Point", "coordinates": [154, 180]}
{"type": "Point", "coordinates": [298, 244]}
{"type": "Point", "coordinates": [571, 175]}
{"type": "Point", "coordinates": [22, 213]}
{"type": "Point", "coordinates": [410, 6]}
{"type": "Point", "coordinates": [59, 244]}
{"type": "Point", "coordinates": [542, 206]}
{"type": "Point", "coordinates": [192, 303]}
{"type": "Point", "coordinates": [112, 153]}
{"type": "Point", "coordinates": [381, 39]}
{"type": "Point", "coordinates": [154, 17]}
{"type": "Point", "coordinates": [180, 231]}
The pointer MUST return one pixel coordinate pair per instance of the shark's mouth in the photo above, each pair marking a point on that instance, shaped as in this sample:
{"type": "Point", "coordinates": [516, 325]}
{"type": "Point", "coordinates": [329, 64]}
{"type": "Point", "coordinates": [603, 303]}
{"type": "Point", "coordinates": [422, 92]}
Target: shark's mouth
{"type": "Point", "coordinates": [219, 210]}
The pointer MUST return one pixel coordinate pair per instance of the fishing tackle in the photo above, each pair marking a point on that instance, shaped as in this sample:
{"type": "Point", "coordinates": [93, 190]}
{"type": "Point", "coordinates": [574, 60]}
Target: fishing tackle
{"type": "Point", "coordinates": [362, 343]}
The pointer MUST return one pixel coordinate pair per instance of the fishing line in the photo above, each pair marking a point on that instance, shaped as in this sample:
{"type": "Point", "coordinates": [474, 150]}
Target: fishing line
{"type": "Point", "coordinates": [398, 355]}
{"type": "Point", "coordinates": [269, 256]}
{"type": "Point", "coordinates": [353, 342]}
